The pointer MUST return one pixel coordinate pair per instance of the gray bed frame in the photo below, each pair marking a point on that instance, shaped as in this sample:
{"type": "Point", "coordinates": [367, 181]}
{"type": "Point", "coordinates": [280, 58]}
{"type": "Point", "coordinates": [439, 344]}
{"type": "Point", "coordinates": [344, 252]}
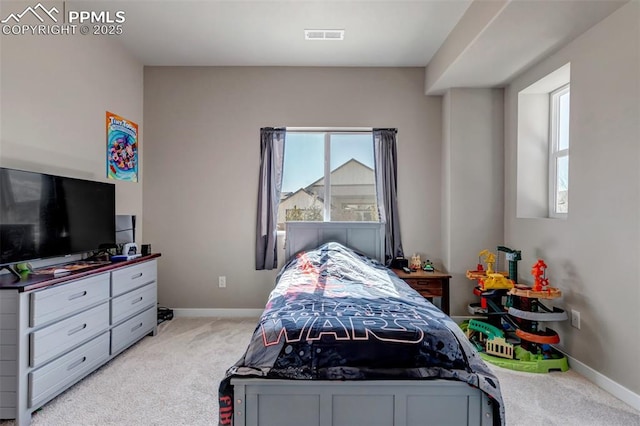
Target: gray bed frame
{"type": "Point", "coordinates": [365, 237]}
{"type": "Point", "coordinates": [275, 402]}
{"type": "Point", "coordinates": [271, 402]}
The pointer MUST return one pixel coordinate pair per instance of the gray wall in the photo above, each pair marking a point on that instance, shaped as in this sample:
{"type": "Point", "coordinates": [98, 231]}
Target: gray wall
{"type": "Point", "coordinates": [54, 93]}
{"type": "Point", "coordinates": [202, 159]}
{"type": "Point", "coordinates": [593, 255]}
{"type": "Point", "coordinates": [473, 190]}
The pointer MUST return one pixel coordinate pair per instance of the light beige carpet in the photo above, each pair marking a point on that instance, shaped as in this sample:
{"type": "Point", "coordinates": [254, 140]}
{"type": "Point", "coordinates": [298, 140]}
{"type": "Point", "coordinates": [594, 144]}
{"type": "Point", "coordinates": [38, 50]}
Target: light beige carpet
{"type": "Point", "coordinates": [172, 379]}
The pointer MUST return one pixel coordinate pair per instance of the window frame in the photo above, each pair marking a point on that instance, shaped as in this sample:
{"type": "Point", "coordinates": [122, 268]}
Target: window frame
{"type": "Point", "coordinates": [554, 152]}
{"type": "Point", "coordinates": [328, 132]}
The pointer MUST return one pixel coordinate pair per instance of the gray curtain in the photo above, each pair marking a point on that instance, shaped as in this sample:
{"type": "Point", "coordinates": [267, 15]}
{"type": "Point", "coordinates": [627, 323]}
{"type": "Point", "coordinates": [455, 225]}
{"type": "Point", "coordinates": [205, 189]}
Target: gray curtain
{"type": "Point", "coordinates": [384, 148]}
{"type": "Point", "coordinates": [271, 162]}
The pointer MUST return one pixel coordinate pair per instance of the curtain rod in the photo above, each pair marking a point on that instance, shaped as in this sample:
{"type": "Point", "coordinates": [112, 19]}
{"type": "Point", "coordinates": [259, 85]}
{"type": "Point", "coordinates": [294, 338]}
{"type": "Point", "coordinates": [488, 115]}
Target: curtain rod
{"type": "Point", "coordinates": [329, 129]}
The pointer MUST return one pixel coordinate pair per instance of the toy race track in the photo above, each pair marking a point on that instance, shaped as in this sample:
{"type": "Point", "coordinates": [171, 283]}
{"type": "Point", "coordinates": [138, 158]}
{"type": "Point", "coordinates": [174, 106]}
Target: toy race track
{"type": "Point", "coordinates": [498, 351]}
{"type": "Point", "coordinates": [529, 362]}
{"type": "Point", "coordinates": [510, 334]}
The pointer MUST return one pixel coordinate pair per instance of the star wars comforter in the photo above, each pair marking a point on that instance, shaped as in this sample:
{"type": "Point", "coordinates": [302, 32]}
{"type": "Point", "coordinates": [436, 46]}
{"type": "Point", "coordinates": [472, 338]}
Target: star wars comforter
{"type": "Point", "coordinates": [337, 315]}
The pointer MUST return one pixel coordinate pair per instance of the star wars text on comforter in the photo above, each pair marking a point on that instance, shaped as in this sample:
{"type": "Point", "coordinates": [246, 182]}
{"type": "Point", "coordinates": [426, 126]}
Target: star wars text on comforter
{"type": "Point", "coordinates": [337, 315]}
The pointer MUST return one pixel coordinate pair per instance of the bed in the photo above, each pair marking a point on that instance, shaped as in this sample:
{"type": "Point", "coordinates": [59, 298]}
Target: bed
{"type": "Point", "coordinates": [344, 342]}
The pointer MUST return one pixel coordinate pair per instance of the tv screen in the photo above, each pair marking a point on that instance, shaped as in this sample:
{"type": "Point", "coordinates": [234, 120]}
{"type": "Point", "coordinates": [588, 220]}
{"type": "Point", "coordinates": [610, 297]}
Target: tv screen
{"type": "Point", "coordinates": [45, 216]}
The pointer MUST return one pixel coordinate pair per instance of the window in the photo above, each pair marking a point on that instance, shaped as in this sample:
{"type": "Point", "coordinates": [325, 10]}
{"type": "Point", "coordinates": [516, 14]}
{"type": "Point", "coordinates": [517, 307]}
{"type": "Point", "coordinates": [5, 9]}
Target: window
{"type": "Point", "coordinates": [542, 187]}
{"type": "Point", "coordinates": [559, 152]}
{"type": "Point", "coordinates": [328, 176]}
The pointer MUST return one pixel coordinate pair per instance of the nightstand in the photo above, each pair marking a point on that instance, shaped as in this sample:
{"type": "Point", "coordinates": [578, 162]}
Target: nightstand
{"type": "Point", "coordinates": [428, 284]}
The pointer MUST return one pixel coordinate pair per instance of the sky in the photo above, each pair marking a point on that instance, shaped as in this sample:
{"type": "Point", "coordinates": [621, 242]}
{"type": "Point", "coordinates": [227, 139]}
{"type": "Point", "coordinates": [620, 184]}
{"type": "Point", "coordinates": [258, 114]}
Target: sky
{"type": "Point", "coordinates": [304, 156]}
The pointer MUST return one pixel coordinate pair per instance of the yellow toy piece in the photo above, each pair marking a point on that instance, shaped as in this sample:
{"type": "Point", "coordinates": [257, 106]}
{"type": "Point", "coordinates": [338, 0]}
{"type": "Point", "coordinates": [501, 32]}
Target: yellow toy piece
{"type": "Point", "coordinates": [496, 281]}
{"type": "Point", "coordinates": [489, 259]}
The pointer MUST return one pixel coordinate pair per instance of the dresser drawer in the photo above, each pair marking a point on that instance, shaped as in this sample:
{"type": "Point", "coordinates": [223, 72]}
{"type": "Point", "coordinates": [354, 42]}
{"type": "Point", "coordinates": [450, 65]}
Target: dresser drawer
{"type": "Point", "coordinates": [52, 303]}
{"type": "Point", "coordinates": [131, 277]}
{"type": "Point", "coordinates": [130, 331]}
{"type": "Point", "coordinates": [49, 380]}
{"type": "Point", "coordinates": [51, 341]}
{"type": "Point", "coordinates": [133, 302]}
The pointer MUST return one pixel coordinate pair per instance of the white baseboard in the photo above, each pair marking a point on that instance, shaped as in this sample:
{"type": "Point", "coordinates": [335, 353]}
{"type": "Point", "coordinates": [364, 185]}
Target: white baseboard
{"type": "Point", "coordinates": [625, 395]}
{"type": "Point", "coordinates": [224, 313]}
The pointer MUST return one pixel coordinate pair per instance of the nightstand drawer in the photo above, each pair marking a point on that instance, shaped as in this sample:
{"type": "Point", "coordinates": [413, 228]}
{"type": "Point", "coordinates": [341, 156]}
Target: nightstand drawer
{"type": "Point", "coordinates": [428, 294]}
{"type": "Point", "coordinates": [427, 288]}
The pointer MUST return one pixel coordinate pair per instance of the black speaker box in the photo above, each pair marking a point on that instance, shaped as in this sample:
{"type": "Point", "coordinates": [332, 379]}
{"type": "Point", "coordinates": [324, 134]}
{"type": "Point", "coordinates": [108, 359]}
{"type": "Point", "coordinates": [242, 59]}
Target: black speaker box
{"type": "Point", "coordinates": [399, 263]}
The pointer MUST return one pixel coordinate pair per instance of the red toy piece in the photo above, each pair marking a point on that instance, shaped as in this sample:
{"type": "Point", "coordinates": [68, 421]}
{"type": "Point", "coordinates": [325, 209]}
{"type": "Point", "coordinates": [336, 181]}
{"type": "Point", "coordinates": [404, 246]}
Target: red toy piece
{"type": "Point", "coordinates": [538, 271]}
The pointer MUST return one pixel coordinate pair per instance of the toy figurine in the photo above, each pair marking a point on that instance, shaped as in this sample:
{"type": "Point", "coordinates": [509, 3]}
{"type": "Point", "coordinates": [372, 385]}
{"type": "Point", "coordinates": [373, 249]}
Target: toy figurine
{"type": "Point", "coordinates": [416, 263]}
{"type": "Point", "coordinates": [538, 270]}
{"type": "Point", "coordinates": [489, 259]}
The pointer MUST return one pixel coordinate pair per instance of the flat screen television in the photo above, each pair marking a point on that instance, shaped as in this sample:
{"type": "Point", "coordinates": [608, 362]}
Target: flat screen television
{"type": "Point", "coordinates": [44, 216]}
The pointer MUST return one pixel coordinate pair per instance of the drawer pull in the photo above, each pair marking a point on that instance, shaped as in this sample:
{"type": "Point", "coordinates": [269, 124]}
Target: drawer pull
{"type": "Point", "coordinates": [136, 276]}
{"type": "Point", "coordinates": [139, 299]}
{"type": "Point", "coordinates": [76, 363]}
{"type": "Point", "coordinates": [77, 295]}
{"type": "Point", "coordinates": [75, 330]}
{"type": "Point", "coordinates": [136, 327]}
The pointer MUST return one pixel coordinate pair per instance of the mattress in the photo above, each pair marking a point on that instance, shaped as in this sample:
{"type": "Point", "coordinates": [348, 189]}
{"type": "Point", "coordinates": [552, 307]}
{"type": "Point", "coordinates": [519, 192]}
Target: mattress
{"type": "Point", "coordinates": [335, 314]}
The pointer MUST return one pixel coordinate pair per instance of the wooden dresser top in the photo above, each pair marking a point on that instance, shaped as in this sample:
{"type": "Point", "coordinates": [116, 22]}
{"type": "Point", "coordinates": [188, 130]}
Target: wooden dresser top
{"type": "Point", "coordinates": [39, 280]}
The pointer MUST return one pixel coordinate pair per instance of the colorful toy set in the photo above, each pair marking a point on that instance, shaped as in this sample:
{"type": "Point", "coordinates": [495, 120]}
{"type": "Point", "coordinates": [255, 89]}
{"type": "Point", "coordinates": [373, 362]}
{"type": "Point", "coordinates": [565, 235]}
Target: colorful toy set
{"type": "Point", "coordinates": [416, 264]}
{"type": "Point", "coordinates": [512, 335]}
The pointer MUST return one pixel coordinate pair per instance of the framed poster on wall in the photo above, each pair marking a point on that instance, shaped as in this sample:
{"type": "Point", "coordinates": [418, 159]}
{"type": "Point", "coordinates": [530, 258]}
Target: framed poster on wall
{"type": "Point", "coordinates": [122, 148]}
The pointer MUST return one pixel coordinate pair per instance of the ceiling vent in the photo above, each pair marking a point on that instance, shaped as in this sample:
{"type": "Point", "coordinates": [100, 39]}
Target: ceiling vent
{"type": "Point", "coordinates": [324, 35]}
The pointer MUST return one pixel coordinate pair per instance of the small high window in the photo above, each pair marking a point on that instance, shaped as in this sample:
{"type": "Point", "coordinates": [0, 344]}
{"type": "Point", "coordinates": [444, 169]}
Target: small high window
{"type": "Point", "coordinates": [559, 152]}
{"type": "Point", "coordinates": [543, 147]}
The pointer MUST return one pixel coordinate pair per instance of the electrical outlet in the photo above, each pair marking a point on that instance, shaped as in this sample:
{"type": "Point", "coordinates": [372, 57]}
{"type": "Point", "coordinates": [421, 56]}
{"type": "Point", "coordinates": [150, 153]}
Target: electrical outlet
{"type": "Point", "coordinates": [222, 281]}
{"type": "Point", "coordinates": [575, 319]}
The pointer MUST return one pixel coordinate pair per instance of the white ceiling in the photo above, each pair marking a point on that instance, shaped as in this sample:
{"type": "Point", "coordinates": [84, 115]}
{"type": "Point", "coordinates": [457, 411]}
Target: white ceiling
{"type": "Point", "coordinates": [378, 33]}
{"type": "Point", "coordinates": [522, 33]}
{"type": "Point", "coordinates": [271, 33]}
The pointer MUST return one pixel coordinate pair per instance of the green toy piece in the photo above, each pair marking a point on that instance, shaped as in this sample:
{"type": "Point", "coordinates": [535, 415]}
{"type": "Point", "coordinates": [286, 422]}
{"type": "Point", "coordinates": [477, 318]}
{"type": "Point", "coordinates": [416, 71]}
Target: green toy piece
{"type": "Point", "coordinates": [428, 266]}
{"type": "Point", "coordinates": [529, 362]}
{"type": "Point", "coordinates": [513, 256]}
{"type": "Point", "coordinates": [487, 329]}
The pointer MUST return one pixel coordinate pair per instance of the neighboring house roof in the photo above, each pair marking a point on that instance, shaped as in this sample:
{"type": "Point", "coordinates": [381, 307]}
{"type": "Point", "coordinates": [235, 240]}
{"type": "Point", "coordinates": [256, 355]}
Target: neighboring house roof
{"type": "Point", "coordinates": [305, 190]}
{"type": "Point", "coordinates": [352, 161]}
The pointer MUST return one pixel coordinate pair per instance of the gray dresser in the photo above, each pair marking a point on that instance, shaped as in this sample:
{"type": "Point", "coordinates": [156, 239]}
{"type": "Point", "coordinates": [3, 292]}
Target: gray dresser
{"type": "Point", "coordinates": [54, 335]}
